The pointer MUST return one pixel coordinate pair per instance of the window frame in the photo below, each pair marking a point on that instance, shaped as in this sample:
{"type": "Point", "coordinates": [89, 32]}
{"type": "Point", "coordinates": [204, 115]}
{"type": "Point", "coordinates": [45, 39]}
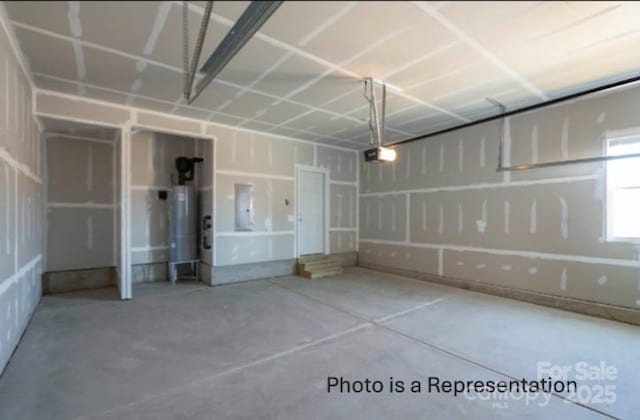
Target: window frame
{"type": "Point", "coordinates": [610, 137]}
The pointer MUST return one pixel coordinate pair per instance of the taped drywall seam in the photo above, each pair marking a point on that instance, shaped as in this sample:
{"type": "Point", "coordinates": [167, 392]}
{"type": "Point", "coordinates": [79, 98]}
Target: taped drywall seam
{"type": "Point", "coordinates": [460, 156]}
{"type": "Point", "coordinates": [483, 147]}
{"type": "Point", "coordinates": [308, 38]}
{"type": "Point", "coordinates": [534, 144]}
{"type": "Point", "coordinates": [81, 205]}
{"type": "Point", "coordinates": [22, 61]}
{"type": "Point", "coordinates": [564, 218]}
{"type": "Point", "coordinates": [352, 208]}
{"type": "Point", "coordinates": [269, 223]}
{"type": "Point", "coordinates": [407, 220]}
{"type": "Point", "coordinates": [564, 143]}
{"type": "Point", "coordinates": [175, 69]}
{"type": "Point", "coordinates": [234, 147]}
{"type": "Point", "coordinates": [619, 262]}
{"type": "Point", "coordinates": [342, 229]}
{"type": "Point", "coordinates": [481, 225]}
{"type": "Point", "coordinates": [441, 167]}
{"type": "Point", "coordinates": [340, 203]}
{"type": "Point", "coordinates": [255, 174]}
{"type": "Point", "coordinates": [441, 221]}
{"type": "Point", "coordinates": [256, 233]}
{"type": "Point", "coordinates": [484, 186]}
{"type": "Point", "coordinates": [460, 218]}
{"type": "Point", "coordinates": [440, 261]}
{"type": "Point", "coordinates": [424, 215]}
{"type": "Point", "coordinates": [90, 232]}
{"type": "Point", "coordinates": [15, 277]}
{"type": "Point", "coordinates": [407, 167]}
{"type": "Point", "coordinates": [150, 187]}
{"type": "Point", "coordinates": [149, 248]}
{"type": "Point", "coordinates": [76, 119]}
{"type": "Point", "coordinates": [424, 159]}
{"type": "Point", "coordinates": [20, 167]}
{"type": "Point", "coordinates": [348, 183]}
{"type": "Point", "coordinates": [563, 279]}
{"type": "Point", "coordinates": [379, 216]}
{"type": "Point", "coordinates": [367, 215]}
{"type": "Point", "coordinates": [89, 168]}
{"type": "Point", "coordinates": [506, 149]}
{"type": "Point", "coordinates": [252, 148]}
{"type": "Point", "coordinates": [533, 217]}
{"type": "Point", "coordinates": [433, 12]}
{"type": "Point", "coordinates": [75, 28]}
{"type": "Point", "coordinates": [507, 216]}
{"type": "Point", "coordinates": [134, 121]}
{"type": "Point", "coordinates": [321, 61]}
{"type": "Point", "coordinates": [57, 136]}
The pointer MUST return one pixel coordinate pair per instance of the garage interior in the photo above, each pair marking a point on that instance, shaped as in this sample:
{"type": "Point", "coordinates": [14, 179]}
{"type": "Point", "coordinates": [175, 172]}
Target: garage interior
{"type": "Point", "coordinates": [210, 209]}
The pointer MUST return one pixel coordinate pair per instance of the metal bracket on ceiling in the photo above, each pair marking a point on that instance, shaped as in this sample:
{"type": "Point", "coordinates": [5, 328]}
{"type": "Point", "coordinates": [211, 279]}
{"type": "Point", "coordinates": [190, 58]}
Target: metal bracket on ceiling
{"type": "Point", "coordinates": [190, 71]}
{"type": "Point", "coordinates": [376, 121]}
{"type": "Point", "coordinates": [502, 109]}
{"type": "Point", "coordinates": [251, 20]}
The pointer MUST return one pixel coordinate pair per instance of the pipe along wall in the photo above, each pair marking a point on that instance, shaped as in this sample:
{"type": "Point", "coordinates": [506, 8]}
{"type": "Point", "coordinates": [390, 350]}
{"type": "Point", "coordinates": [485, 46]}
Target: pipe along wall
{"type": "Point", "coordinates": [441, 209]}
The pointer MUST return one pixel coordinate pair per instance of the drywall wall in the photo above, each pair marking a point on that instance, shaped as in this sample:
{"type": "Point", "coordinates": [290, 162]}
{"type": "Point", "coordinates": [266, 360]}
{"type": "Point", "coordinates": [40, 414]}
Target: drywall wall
{"type": "Point", "coordinates": [21, 199]}
{"type": "Point", "coordinates": [153, 158]}
{"type": "Point", "coordinates": [442, 208]}
{"type": "Point", "coordinates": [80, 203]}
{"type": "Point", "coordinates": [269, 164]}
{"type": "Point", "coordinates": [241, 156]}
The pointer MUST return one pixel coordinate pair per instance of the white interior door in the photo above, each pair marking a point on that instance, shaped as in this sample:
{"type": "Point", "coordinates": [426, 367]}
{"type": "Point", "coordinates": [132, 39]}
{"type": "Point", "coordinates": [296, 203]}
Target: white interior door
{"type": "Point", "coordinates": [311, 212]}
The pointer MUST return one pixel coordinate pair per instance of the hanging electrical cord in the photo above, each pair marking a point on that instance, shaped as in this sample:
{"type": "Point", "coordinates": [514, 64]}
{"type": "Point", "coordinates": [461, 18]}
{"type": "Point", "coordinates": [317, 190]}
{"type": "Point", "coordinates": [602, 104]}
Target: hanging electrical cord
{"type": "Point", "coordinates": [190, 71]}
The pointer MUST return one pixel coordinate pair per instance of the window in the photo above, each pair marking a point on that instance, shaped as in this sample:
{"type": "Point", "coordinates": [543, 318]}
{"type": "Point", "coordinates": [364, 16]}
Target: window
{"type": "Point", "coordinates": [623, 189]}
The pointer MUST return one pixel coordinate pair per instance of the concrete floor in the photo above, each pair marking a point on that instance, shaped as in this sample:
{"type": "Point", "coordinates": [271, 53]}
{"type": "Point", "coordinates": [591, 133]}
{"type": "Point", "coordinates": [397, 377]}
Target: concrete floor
{"type": "Point", "coordinates": [264, 349]}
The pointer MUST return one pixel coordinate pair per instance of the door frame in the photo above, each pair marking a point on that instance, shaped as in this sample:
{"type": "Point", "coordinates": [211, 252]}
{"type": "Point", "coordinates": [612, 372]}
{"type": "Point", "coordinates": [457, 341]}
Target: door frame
{"type": "Point", "coordinates": [327, 205]}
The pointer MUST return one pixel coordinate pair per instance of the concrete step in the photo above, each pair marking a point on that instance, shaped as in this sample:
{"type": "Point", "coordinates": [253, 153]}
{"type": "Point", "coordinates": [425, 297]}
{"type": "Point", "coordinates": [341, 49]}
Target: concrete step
{"type": "Point", "coordinates": [319, 274]}
{"type": "Point", "coordinates": [317, 266]}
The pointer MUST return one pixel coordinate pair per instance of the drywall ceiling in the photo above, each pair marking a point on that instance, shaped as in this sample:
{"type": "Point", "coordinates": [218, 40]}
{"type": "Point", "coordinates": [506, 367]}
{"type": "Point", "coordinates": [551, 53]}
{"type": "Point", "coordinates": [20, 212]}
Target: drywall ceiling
{"type": "Point", "coordinates": [301, 74]}
{"type": "Point", "coordinates": [74, 129]}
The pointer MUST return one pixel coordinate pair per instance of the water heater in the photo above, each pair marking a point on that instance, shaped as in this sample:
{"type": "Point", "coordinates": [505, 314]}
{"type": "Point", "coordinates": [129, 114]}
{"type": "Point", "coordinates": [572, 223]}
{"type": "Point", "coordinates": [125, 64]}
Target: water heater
{"type": "Point", "coordinates": [184, 224]}
{"type": "Point", "coordinates": [183, 217]}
